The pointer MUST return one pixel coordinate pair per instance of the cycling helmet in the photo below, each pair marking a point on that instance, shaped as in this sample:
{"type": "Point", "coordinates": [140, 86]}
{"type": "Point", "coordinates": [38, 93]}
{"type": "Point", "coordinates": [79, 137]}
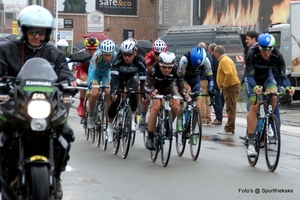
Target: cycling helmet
{"type": "Point", "coordinates": [107, 46]}
{"type": "Point", "coordinates": [128, 45]}
{"type": "Point", "coordinates": [38, 17]}
{"type": "Point", "coordinates": [63, 45]}
{"type": "Point", "coordinates": [266, 40]}
{"type": "Point", "coordinates": [168, 58]}
{"type": "Point", "coordinates": [198, 56]}
{"type": "Point", "coordinates": [159, 46]}
{"type": "Point", "coordinates": [91, 43]}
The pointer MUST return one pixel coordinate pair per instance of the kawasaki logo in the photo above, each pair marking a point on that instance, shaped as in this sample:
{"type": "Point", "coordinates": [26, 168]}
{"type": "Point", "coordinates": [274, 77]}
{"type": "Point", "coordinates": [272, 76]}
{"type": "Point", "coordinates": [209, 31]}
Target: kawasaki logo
{"type": "Point", "coordinates": [43, 83]}
{"type": "Point", "coordinates": [115, 3]}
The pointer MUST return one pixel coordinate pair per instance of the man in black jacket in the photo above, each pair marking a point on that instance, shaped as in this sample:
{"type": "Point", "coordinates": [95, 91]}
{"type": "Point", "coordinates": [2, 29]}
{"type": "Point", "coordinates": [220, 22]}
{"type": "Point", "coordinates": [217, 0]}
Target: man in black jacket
{"type": "Point", "coordinates": [36, 24]}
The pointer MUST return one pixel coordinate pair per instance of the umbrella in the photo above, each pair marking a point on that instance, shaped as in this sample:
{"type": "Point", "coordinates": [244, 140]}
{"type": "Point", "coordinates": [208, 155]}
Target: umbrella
{"type": "Point", "coordinates": [77, 46]}
{"type": "Point", "coordinates": [12, 37]}
{"type": "Point", "coordinates": [145, 44]}
{"type": "Point", "coordinates": [99, 36]}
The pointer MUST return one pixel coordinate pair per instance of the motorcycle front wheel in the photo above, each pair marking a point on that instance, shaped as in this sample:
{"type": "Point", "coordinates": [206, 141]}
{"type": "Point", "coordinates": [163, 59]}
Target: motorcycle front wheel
{"type": "Point", "coordinates": [39, 184]}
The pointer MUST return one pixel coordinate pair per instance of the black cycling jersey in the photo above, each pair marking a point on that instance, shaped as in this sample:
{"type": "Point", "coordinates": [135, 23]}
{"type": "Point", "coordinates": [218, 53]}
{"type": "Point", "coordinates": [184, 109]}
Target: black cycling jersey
{"type": "Point", "coordinates": [258, 67]}
{"type": "Point", "coordinates": [156, 80]}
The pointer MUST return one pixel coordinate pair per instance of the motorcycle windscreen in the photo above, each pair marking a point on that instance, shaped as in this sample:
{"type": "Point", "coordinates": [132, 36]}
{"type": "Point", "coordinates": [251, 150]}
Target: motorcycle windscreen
{"type": "Point", "coordinates": [37, 69]}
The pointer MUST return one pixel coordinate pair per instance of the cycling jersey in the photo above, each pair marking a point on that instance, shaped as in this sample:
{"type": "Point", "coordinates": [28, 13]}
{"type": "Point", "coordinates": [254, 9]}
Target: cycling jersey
{"type": "Point", "coordinates": [100, 69]}
{"type": "Point", "coordinates": [156, 80]}
{"type": "Point", "coordinates": [82, 68]}
{"type": "Point", "coordinates": [257, 67]}
{"type": "Point", "coordinates": [149, 59]}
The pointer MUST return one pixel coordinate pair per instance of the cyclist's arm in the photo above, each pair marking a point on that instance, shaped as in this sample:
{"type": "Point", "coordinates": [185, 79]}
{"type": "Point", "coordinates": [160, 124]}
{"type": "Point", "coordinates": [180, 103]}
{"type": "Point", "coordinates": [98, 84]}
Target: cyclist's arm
{"type": "Point", "coordinates": [180, 82]}
{"type": "Point", "coordinates": [91, 71]}
{"type": "Point", "coordinates": [250, 69]}
{"type": "Point", "coordinates": [114, 82]}
{"type": "Point", "coordinates": [148, 88]}
{"type": "Point", "coordinates": [209, 74]}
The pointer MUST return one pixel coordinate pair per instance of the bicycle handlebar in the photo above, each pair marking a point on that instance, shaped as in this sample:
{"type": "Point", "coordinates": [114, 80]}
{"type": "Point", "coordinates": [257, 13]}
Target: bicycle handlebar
{"type": "Point", "coordinates": [269, 95]}
{"type": "Point", "coordinates": [167, 97]}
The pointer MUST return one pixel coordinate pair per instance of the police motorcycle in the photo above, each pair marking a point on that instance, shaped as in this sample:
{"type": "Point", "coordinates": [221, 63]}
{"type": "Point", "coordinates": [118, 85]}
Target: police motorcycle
{"type": "Point", "coordinates": [32, 148]}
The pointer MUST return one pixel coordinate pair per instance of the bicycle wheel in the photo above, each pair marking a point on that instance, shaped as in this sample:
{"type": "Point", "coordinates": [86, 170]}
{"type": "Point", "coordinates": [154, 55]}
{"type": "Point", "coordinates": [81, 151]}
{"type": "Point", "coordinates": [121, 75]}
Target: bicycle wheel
{"type": "Point", "coordinates": [252, 160]}
{"type": "Point", "coordinates": [272, 143]}
{"type": "Point", "coordinates": [132, 140]}
{"type": "Point", "coordinates": [117, 133]}
{"type": "Point", "coordinates": [104, 123]}
{"type": "Point", "coordinates": [195, 133]}
{"type": "Point", "coordinates": [93, 134]}
{"type": "Point", "coordinates": [126, 131]}
{"type": "Point", "coordinates": [166, 142]}
{"type": "Point", "coordinates": [180, 139]}
{"type": "Point", "coordinates": [84, 119]}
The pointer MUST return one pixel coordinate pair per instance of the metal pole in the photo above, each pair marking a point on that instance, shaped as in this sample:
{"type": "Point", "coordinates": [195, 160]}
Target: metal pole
{"type": "Point", "coordinates": [56, 28]}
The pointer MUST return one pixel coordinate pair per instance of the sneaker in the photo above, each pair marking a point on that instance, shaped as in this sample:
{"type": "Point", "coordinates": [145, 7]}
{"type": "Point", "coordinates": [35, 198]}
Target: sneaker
{"type": "Point", "coordinates": [58, 189]}
{"type": "Point", "coordinates": [270, 132]}
{"type": "Point", "coordinates": [204, 123]}
{"type": "Point", "coordinates": [133, 125]}
{"type": "Point", "coordinates": [224, 132]}
{"type": "Point", "coordinates": [150, 144]}
{"type": "Point", "coordinates": [216, 122]}
{"type": "Point", "coordinates": [142, 124]}
{"type": "Point", "coordinates": [194, 139]}
{"type": "Point", "coordinates": [80, 110]}
{"type": "Point", "coordinates": [110, 133]}
{"type": "Point", "coordinates": [251, 151]}
{"type": "Point", "coordinates": [90, 122]}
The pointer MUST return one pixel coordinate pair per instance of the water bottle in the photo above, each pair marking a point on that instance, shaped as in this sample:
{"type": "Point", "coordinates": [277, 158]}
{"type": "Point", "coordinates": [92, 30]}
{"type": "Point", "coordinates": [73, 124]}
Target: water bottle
{"type": "Point", "coordinates": [186, 116]}
{"type": "Point", "coordinates": [260, 125]}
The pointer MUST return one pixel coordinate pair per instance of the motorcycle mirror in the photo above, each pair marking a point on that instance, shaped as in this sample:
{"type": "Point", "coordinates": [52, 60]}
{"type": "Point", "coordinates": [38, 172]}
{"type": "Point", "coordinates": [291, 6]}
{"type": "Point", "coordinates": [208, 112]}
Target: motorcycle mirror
{"type": "Point", "coordinates": [80, 57]}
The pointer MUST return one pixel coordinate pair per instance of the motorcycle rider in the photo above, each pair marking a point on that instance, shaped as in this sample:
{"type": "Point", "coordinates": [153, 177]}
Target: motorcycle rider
{"type": "Point", "coordinates": [36, 24]}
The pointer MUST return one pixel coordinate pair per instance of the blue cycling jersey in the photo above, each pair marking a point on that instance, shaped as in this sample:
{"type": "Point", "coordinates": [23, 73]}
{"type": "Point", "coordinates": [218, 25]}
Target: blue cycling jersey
{"type": "Point", "coordinates": [100, 68]}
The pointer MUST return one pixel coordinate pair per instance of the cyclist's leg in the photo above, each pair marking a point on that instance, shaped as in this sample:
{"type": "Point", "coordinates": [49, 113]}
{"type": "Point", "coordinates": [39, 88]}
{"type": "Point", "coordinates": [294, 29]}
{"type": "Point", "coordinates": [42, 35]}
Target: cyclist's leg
{"type": "Point", "coordinates": [156, 104]}
{"type": "Point", "coordinates": [106, 81]}
{"type": "Point", "coordinates": [133, 83]}
{"type": "Point", "coordinates": [92, 104]}
{"type": "Point", "coordinates": [111, 113]}
{"type": "Point", "coordinates": [82, 75]}
{"type": "Point", "coordinates": [251, 118]}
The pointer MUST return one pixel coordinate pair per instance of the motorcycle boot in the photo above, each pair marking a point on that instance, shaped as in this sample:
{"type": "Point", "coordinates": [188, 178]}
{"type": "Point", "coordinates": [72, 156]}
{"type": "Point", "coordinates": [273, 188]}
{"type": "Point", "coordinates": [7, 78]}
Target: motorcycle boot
{"type": "Point", "coordinates": [58, 189]}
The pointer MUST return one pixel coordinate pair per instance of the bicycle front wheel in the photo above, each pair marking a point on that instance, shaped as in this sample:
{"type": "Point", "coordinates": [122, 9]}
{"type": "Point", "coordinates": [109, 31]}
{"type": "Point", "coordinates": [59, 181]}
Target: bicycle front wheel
{"type": "Point", "coordinates": [166, 142]}
{"type": "Point", "coordinates": [126, 131]}
{"type": "Point", "coordinates": [195, 133]}
{"type": "Point", "coordinates": [180, 139]}
{"type": "Point", "coordinates": [84, 120]}
{"type": "Point", "coordinates": [272, 143]}
{"type": "Point", "coordinates": [103, 126]}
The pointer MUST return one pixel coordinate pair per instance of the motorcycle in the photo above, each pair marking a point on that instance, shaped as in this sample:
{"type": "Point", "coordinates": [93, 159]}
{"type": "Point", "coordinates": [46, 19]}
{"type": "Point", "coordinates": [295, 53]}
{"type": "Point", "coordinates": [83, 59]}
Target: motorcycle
{"type": "Point", "coordinates": [32, 147]}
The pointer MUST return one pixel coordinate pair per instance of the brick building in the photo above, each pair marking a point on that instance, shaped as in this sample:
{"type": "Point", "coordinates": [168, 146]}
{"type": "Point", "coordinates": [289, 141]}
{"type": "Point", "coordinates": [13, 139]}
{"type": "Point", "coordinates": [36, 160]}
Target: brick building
{"type": "Point", "coordinates": [143, 24]}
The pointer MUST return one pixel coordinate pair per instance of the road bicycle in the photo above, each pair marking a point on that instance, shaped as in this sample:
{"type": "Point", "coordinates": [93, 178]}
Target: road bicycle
{"type": "Point", "coordinates": [164, 129]}
{"type": "Point", "coordinates": [192, 127]}
{"type": "Point", "coordinates": [270, 135]}
{"type": "Point", "coordinates": [100, 118]}
{"type": "Point", "coordinates": [122, 123]}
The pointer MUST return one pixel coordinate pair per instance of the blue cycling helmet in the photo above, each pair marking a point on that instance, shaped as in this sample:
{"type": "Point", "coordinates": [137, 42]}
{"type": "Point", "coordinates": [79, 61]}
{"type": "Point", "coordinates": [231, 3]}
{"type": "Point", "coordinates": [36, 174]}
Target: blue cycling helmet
{"type": "Point", "coordinates": [37, 17]}
{"type": "Point", "coordinates": [266, 40]}
{"type": "Point", "coordinates": [198, 56]}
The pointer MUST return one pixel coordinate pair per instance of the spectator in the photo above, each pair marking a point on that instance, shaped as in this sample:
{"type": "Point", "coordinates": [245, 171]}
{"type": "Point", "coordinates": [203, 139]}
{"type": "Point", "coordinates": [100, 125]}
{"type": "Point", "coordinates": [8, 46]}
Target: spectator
{"type": "Point", "coordinates": [219, 99]}
{"type": "Point", "coordinates": [228, 81]}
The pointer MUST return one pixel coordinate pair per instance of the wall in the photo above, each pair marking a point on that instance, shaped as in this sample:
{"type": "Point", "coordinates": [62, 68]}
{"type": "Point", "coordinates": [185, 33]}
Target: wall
{"type": "Point", "coordinates": [144, 25]}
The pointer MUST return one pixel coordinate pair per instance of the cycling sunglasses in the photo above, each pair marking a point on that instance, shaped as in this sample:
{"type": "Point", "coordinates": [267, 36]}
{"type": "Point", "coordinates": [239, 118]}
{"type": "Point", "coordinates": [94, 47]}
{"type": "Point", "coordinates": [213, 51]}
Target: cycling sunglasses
{"type": "Point", "coordinates": [266, 48]}
{"type": "Point", "coordinates": [34, 32]}
{"type": "Point", "coordinates": [166, 67]}
{"type": "Point", "coordinates": [127, 54]}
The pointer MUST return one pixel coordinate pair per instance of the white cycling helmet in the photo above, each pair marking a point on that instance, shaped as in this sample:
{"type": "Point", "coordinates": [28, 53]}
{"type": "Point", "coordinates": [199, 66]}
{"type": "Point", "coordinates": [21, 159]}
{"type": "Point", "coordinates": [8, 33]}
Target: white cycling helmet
{"type": "Point", "coordinates": [128, 45]}
{"type": "Point", "coordinates": [167, 58]}
{"type": "Point", "coordinates": [107, 46]}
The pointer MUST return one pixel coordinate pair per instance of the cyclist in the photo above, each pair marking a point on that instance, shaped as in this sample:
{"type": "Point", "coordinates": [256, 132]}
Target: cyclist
{"type": "Point", "coordinates": [157, 47]}
{"type": "Point", "coordinates": [259, 76]}
{"type": "Point", "coordinates": [99, 71]}
{"type": "Point", "coordinates": [192, 64]}
{"type": "Point", "coordinates": [63, 45]}
{"type": "Point", "coordinates": [126, 71]}
{"type": "Point", "coordinates": [161, 77]}
{"type": "Point", "coordinates": [91, 45]}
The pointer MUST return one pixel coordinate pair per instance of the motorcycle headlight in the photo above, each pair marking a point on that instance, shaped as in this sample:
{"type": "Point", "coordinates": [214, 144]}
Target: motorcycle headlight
{"type": "Point", "coordinates": [39, 109]}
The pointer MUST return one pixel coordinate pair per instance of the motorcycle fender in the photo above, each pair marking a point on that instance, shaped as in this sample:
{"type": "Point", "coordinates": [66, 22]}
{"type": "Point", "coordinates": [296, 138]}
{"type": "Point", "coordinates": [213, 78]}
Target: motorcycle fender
{"type": "Point", "coordinates": [63, 142]}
